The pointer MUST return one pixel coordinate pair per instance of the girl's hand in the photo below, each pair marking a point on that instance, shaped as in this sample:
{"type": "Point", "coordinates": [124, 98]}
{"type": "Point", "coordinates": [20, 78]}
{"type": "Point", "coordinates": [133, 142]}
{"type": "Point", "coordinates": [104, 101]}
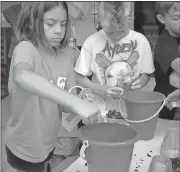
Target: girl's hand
{"type": "Point", "coordinates": [173, 97]}
{"type": "Point", "coordinates": [87, 95]}
{"type": "Point", "coordinates": [85, 109]}
{"type": "Point", "coordinates": [139, 82]}
{"type": "Point", "coordinates": [90, 120]}
{"type": "Point", "coordinates": [93, 120]}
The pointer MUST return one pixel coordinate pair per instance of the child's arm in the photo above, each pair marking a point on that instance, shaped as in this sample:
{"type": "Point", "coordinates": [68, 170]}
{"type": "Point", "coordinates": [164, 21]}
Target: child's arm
{"type": "Point", "coordinates": [144, 77]}
{"type": "Point", "coordinates": [173, 97]}
{"type": "Point", "coordinates": [99, 89]}
{"type": "Point", "coordinates": [175, 79]}
{"type": "Point", "coordinates": [176, 65]}
{"type": "Point", "coordinates": [35, 84]}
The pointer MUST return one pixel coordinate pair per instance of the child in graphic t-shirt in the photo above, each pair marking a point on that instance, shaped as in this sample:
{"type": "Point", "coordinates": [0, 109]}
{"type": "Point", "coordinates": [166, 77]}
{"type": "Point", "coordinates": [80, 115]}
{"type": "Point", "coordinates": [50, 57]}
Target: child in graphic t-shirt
{"type": "Point", "coordinates": [116, 55]}
{"type": "Point", "coordinates": [166, 52]}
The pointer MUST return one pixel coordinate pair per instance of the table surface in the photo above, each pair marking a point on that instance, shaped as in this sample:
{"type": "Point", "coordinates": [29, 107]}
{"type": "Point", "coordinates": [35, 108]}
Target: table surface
{"type": "Point", "coordinates": [141, 148]}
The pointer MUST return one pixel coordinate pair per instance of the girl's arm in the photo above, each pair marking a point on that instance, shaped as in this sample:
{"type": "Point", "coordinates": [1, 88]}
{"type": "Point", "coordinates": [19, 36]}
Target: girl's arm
{"type": "Point", "coordinates": [85, 82]}
{"type": "Point", "coordinates": [99, 89]}
{"type": "Point", "coordinates": [35, 84]}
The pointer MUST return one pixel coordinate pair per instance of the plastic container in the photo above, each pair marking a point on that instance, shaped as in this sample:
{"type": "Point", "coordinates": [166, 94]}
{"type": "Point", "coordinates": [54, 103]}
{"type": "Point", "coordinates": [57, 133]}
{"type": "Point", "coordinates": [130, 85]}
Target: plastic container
{"type": "Point", "coordinates": [141, 109]}
{"type": "Point", "coordinates": [110, 146]}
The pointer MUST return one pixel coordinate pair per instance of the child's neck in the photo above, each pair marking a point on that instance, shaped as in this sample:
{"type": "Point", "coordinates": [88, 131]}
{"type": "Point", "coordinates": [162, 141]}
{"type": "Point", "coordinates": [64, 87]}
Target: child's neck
{"type": "Point", "coordinates": [122, 34]}
{"type": "Point", "coordinates": [119, 35]}
{"type": "Point", "coordinates": [44, 51]}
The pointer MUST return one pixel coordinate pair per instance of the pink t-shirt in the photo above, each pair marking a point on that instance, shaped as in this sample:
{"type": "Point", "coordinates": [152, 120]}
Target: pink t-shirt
{"type": "Point", "coordinates": [33, 127]}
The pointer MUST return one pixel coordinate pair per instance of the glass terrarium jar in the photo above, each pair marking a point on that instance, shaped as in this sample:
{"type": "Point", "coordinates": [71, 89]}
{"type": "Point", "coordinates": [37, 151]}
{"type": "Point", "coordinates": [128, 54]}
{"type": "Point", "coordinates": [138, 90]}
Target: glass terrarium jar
{"type": "Point", "coordinates": [125, 82]}
{"type": "Point", "coordinates": [112, 103]}
{"type": "Point", "coordinates": [160, 163]}
{"type": "Point", "coordinates": [114, 110]}
{"type": "Point", "coordinates": [171, 144]}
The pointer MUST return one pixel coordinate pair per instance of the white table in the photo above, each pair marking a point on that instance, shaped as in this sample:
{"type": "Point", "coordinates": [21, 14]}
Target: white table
{"type": "Point", "coordinates": [141, 148]}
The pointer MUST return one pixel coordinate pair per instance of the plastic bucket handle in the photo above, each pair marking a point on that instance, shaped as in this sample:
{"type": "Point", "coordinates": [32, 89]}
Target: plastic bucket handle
{"type": "Point", "coordinates": [83, 149]}
{"type": "Point", "coordinates": [77, 86]}
{"type": "Point", "coordinates": [147, 119]}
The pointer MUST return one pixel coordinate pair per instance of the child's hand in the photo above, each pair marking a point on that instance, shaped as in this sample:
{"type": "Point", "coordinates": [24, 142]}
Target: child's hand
{"type": "Point", "coordinates": [90, 120]}
{"type": "Point", "coordinates": [85, 109]}
{"type": "Point", "coordinates": [87, 95]}
{"type": "Point", "coordinates": [173, 97]}
{"type": "Point", "coordinates": [105, 91]}
{"type": "Point", "coordinates": [139, 82]}
{"type": "Point", "coordinates": [136, 83]}
{"type": "Point", "coordinates": [93, 120]}
{"type": "Point", "coordinates": [113, 90]}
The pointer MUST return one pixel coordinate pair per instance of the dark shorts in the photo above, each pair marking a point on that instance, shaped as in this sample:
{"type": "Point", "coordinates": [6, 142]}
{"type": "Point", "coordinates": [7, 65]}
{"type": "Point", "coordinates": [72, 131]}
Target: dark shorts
{"type": "Point", "coordinates": [22, 165]}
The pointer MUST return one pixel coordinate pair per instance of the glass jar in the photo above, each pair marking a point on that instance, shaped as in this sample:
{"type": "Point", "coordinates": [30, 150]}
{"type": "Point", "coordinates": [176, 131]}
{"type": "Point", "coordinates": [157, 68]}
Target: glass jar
{"type": "Point", "coordinates": [125, 82]}
{"type": "Point", "coordinates": [160, 163]}
{"type": "Point", "coordinates": [171, 144]}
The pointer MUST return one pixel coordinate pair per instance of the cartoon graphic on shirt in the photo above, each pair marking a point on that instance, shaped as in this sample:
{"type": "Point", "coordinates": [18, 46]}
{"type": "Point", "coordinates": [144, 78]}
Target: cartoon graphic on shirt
{"type": "Point", "coordinates": [61, 82]}
{"type": "Point", "coordinates": [117, 65]}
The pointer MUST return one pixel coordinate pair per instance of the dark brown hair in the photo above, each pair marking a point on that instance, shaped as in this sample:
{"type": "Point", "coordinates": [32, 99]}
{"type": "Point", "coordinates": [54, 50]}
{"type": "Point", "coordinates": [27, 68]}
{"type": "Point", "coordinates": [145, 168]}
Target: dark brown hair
{"type": "Point", "coordinates": [30, 22]}
{"type": "Point", "coordinates": [163, 7]}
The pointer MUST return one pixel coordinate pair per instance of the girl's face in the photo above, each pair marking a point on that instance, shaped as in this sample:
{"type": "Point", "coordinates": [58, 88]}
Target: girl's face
{"type": "Point", "coordinates": [55, 22]}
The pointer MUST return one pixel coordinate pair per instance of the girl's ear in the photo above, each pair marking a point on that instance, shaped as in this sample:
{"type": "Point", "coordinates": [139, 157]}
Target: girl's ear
{"type": "Point", "coordinates": [160, 18]}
